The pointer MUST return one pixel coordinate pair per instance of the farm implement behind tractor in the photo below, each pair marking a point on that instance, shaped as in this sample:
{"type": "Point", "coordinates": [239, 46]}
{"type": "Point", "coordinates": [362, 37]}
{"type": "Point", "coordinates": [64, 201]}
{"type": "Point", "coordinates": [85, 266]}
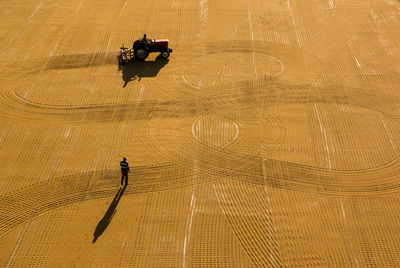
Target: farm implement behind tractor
{"type": "Point", "coordinates": [142, 48]}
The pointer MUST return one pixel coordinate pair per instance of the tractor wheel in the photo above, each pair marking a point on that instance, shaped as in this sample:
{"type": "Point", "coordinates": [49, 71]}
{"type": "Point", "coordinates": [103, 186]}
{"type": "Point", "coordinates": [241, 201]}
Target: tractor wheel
{"type": "Point", "coordinates": [165, 54]}
{"type": "Point", "coordinates": [141, 53]}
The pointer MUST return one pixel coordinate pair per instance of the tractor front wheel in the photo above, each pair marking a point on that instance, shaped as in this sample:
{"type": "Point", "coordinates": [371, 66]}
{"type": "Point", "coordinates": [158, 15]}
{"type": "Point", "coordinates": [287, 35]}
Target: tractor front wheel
{"type": "Point", "coordinates": [165, 54]}
{"type": "Point", "coordinates": [141, 53]}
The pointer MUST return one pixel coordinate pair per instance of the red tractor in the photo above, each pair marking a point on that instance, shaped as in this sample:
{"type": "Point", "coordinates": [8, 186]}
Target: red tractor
{"type": "Point", "coordinates": [142, 48]}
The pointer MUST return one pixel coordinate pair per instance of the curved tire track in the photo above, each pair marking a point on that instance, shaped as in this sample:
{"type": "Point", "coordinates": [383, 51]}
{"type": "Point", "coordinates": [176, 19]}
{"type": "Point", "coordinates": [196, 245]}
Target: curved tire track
{"type": "Point", "coordinates": [18, 206]}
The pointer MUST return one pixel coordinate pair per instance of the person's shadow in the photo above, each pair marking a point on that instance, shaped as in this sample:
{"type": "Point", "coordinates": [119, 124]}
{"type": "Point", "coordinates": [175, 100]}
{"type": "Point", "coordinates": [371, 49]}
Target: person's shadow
{"type": "Point", "coordinates": [105, 221]}
{"type": "Point", "coordinates": [136, 69]}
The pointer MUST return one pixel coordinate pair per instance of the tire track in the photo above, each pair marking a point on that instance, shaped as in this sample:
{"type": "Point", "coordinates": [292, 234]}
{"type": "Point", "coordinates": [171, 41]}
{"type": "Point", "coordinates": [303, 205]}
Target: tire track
{"type": "Point", "coordinates": [339, 29]}
{"type": "Point", "coordinates": [21, 205]}
{"type": "Point", "coordinates": [245, 163]}
{"type": "Point", "coordinates": [250, 215]}
{"type": "Point", "coordinates": [176, 140]}
{"type": "Point", "coordinates": [275, 62]}
{"type": "Point", "coordinates": [16, 107]}
{"type": "Point", "coordinates": [31, 201]}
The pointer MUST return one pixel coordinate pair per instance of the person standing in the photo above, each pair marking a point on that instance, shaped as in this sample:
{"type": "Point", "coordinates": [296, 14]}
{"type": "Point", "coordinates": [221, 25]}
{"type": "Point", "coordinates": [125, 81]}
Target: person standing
{"type": "Point", "coordinates": [124, 171]}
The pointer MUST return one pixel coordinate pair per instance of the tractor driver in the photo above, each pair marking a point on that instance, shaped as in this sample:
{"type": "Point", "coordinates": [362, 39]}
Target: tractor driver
{"type": "Point", "coordinates": [145, 39]}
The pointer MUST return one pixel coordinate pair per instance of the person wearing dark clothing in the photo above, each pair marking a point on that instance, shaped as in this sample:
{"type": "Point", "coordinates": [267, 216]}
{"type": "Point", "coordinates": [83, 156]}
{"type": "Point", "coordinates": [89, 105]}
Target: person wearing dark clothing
{"type": "Point", "coordinates": [145, 40]}
{"type": "Point", "coordinates": [124, 171]}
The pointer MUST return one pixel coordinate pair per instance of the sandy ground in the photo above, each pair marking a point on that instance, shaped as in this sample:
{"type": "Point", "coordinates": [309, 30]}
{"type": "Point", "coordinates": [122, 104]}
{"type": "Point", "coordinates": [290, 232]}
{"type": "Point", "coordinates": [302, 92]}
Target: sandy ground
{"type": "Point", "coordinates": [271, 137]}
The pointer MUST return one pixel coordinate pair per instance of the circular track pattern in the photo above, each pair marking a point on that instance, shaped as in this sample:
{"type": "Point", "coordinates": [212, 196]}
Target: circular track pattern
{"type": "Point", "coordinates": [233, 66]}
{"type": "Point", "coordinates": [247, 135]}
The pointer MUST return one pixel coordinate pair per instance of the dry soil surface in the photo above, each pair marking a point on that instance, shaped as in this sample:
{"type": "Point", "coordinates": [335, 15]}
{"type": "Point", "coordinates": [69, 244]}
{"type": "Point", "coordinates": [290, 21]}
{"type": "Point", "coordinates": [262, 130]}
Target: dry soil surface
{"type": "Point", "coordinates": [269, 138]}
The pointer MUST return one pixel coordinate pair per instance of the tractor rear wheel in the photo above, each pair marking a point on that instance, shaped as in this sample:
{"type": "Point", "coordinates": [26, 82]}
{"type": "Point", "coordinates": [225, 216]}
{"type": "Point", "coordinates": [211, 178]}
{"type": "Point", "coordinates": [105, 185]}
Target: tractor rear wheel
{"type": "Point", "coordinates": [141, 53]}
{"type": "Point", "coordinates": [165, 54]}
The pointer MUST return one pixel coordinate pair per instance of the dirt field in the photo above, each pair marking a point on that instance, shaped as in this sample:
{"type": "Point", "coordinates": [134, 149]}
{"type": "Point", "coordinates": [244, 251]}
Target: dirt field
{"type": "Point", "coordinates": [270, 138]}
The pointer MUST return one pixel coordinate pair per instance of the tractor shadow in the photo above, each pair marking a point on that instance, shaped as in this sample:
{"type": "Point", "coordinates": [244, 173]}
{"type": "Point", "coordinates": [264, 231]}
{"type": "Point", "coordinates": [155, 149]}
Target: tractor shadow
{"type": "Point", "coordinates": [136, 69]}
{"type": "Point", "coordinates": [105, 221]}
